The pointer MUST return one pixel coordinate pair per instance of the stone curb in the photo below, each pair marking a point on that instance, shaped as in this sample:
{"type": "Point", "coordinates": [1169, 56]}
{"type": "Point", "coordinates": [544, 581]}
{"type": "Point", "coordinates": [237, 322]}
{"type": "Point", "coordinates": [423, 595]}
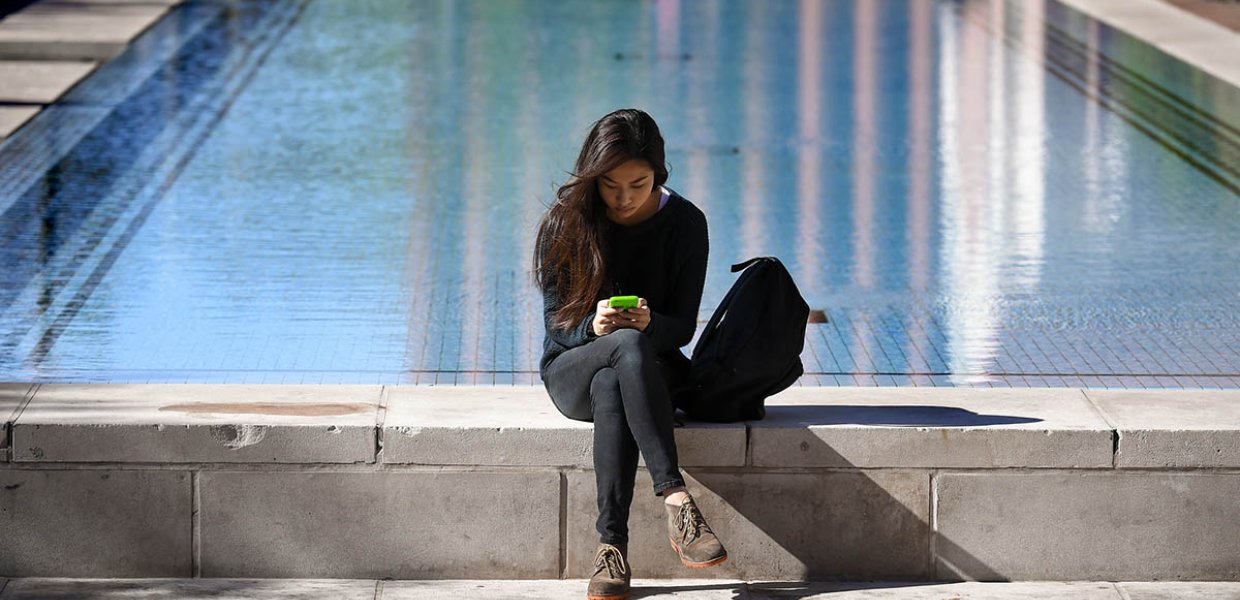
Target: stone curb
{"type": "Point", "coordinates": [806, 427]}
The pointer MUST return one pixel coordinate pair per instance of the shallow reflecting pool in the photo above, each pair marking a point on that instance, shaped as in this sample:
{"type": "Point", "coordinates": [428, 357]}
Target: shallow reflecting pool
{"type": "Point", "coordinates": [975, 192]}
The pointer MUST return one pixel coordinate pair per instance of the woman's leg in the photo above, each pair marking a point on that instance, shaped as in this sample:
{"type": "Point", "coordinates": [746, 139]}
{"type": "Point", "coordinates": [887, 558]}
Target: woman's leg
{"type": "Point", "coordinates": [615, 458]}
{"type": "Point", "coordinates": [615, 381]}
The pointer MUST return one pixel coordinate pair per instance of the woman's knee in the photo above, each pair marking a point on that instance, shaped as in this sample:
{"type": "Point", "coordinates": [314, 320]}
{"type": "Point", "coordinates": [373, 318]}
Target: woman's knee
{"type": "Point", "coordinates": [605, 382]}
{"type": "Point", "coordinates": [631, 345]}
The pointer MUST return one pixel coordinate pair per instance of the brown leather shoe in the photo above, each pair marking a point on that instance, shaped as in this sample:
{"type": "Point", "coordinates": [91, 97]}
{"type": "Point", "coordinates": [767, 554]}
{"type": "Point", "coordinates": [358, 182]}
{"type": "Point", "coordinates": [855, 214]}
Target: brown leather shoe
{"type": "Point", "coordinates": [611, 574]}
{"type": "Point", "coordinates": [692, 538]}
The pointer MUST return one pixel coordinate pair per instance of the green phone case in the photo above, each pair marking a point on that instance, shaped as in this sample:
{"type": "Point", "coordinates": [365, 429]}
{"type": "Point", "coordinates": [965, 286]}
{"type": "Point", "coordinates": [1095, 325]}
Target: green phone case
{"type": "Point", "coordinates": [623, 302]}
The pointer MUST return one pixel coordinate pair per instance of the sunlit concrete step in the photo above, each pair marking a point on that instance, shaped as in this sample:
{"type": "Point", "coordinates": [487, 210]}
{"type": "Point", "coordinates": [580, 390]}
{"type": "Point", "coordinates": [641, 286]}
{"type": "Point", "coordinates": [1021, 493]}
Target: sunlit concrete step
{"type": "Point", "coordinates": [73, 30]}
{"type": "Point", "coordinates": [439, 482]}
{"type": "Point", "coordinates": [13, 117]}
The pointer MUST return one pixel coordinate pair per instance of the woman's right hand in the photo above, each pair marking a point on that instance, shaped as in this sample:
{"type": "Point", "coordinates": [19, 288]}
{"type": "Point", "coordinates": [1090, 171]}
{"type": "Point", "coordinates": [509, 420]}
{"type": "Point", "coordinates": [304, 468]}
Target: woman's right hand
{"type": "Point", "coordinates": [606, 318]}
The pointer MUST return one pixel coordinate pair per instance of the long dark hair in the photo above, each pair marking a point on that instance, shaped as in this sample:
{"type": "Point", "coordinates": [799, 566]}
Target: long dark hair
{"type": "Point", "coordinates": [568, 252]}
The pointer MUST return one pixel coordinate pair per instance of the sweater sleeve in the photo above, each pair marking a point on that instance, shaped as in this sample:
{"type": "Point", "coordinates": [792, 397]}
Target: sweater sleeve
{"type": "Point", "coordinates": [581, 333]}
{"type": "Point", "coordinates": [672, 326]}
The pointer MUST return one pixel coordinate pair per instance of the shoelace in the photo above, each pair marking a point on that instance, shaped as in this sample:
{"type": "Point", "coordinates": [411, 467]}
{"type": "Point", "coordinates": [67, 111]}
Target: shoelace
{"type": "Point", "coordinates": [692, 523]}
{"type": "Point", "coordinates": [609, 558]}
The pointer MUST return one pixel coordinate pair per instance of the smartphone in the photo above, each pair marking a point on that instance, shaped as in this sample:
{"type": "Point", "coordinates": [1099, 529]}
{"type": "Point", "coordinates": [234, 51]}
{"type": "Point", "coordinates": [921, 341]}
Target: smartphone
{"type": "Point", "coordinates": [623, 302]}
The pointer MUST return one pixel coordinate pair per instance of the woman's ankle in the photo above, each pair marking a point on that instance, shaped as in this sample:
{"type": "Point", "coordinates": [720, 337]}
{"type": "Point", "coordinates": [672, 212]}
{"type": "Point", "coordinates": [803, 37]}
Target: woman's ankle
{"type": "Point", "coordinates": [675, 496]}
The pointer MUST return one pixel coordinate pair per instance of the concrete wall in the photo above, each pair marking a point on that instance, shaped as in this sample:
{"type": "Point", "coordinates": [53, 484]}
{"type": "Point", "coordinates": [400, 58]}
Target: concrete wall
{"type": "Point", "coordinates": [371, 482]}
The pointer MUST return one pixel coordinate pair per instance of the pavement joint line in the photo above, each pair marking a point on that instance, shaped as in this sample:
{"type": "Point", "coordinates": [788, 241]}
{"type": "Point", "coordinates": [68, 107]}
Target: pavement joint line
{"type": "Point", "coordinates": [380, 421]}
{"type": "Point", "coordinates": [563, 553]}
{"type": "Point", "coordinates": [1123, 593]}
{"type": "Point", "coordinates": [1115, 432]}
{"type": "Point", "coordinates": [196, 524]}
{"type": "Point", "coordinates": [932, 540]}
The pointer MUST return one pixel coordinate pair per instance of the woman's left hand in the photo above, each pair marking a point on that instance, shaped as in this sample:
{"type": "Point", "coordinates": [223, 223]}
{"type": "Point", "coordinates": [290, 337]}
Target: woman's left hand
{"type": "Point", "coordinates": [635, 318]}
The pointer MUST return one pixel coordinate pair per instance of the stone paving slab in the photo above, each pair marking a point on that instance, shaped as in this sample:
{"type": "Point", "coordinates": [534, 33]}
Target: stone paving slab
{"type": "Point", "coordinates": [13, 117]}
{"type": "Point", "coordinates": [777, 525]}
{"type": "Point", "coordinates": [422, 524]}
{"type": "Point", "coordinates": [485, 425]}
{"type": "Point", "coordinates": [74, 31]}
{"type": "Point", "coordinates": [39, 82]}
{"type": "Point", "coordinates": [176, 589]}
{"type": "Point", "coordinates": [92, 523]}
{"type": "Point", "coordinates": [1088, 525]}
{"type": "Point", "coordinates": [1198, 428]}
{"type": "Point", "coordinates": [556, 590]}
{"type": "Point", "coordinates": [1181, 590]}
{"type": "Point", "coordinates": [198, 423]}
{"type": "Point", "coordinates": [573, 589]}
{"type": "Point", "coordinates": [917, 427]}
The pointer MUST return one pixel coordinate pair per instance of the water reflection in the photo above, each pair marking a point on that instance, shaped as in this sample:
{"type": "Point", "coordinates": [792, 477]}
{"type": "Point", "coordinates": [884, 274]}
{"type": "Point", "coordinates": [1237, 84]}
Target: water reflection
{"type": "Point", "coordinates": [978, 192]}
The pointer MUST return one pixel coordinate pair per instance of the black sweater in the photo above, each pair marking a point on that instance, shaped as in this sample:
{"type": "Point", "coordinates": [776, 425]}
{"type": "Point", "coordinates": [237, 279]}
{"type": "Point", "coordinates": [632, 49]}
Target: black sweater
{"type": "Point", "coordinates": [661, 259]}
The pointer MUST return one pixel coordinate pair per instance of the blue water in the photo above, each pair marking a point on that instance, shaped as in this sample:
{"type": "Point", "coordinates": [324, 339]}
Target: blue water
{"type": "Point", "coordinates": [976, 193]}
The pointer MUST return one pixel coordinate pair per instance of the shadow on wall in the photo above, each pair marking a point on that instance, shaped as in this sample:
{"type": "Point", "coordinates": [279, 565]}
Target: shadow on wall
{"type": "Point", "coordinates": [842, 522]}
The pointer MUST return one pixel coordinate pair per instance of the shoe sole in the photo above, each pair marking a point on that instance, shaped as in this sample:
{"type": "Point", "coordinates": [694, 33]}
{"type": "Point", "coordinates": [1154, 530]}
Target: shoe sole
{"type": "Point", "coordinates": [693, 565]}
{"type": "Point", "coordinates": [623, 596]}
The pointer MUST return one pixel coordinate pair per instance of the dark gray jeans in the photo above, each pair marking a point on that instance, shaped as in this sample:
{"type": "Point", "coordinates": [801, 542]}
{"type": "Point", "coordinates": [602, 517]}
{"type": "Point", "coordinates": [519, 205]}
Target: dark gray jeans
{"type": "Point", "coordinates": [620, 383]}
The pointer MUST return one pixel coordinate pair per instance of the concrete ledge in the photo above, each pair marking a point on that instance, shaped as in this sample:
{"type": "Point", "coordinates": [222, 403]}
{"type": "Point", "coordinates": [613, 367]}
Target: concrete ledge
{"type": "Point", "coordinates": [1174, 428]}
{"type": "Point", "coordinates": [517, 426]}
{"type": "Point", "coordinates": [39, 82]}
{"type": "Point", "coordinates": [1197, 41]}
{"type": "Point", "coordinates": [13, 117]}
{"type": "Point", "coordinates": [837, 483]}
{"type": "Point", "coordinates": [198, 423]}
{"type": "Point", "coordinates": [94, 31]}
{"type": "Point", "coordinates": [920, 427]}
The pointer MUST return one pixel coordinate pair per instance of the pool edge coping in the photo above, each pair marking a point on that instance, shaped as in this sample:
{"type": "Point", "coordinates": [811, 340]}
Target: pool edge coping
{"type": "Point", "coordinates": [1204, 50]}
{"type": "Point", "coordinates": [809, 427]}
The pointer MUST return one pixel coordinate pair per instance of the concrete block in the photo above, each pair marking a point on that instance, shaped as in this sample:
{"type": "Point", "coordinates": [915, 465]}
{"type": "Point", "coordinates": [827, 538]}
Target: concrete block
{"type": "Point", "coordinates": [930, 428]}
{"type": "Point", "coordinates": [1180, 590]}
{"type": "Point", "coordinates": [95, 523]}
{"type": "Point", "coordinates": [401, 524]}
{"type": "Point", "coordinates": [39, 82]}
{"type": "Point", "coordinates": [13, 117]}
{"type": "Point", "coordinates": [1094, 526]}
{"type": "Point", "coordinates": [73, 31]}
{"type": "Point", "coordinates": [185, 589]}
{"type": "Point", "coordinates": [1174, 428]}
{"type": "Point", "coordinates": [780, 526]}
{"type": "Point", "coordinates": [484, 425]}
{"type": "Point", "coordinates": [198, 423]}
{"type": "Point", "coordinates": [927, 590]}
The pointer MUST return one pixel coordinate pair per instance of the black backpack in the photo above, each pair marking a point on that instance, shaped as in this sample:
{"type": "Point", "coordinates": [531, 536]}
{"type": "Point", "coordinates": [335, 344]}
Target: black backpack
{"type": "Point", "coordinates": [750, 348]}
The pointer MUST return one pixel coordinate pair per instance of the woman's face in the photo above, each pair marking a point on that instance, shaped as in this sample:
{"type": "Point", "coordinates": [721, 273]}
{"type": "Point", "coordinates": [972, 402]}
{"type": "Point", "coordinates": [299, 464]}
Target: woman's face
{"type": "Point", "coordinates": [628, 192]}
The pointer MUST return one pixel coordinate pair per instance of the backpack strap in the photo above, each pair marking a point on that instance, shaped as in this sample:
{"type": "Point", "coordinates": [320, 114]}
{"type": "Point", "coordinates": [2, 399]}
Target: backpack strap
{"type": "Point", "coordinates": [745, 265]}
{"type": "Point", "coordinates": [727, 299]}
